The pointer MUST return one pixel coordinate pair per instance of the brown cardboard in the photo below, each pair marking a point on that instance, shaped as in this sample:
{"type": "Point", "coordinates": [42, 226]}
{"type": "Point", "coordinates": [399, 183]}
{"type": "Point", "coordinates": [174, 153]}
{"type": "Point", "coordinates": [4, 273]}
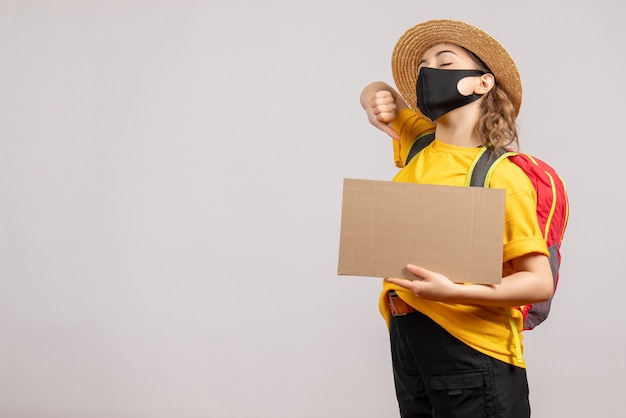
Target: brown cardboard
{"type": "Point", "coordinates": [457, 231]}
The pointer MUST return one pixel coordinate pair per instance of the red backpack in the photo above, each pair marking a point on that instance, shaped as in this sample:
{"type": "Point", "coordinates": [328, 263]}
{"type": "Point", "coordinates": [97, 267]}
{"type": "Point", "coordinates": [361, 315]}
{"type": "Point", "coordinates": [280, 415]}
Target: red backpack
{"type": "Point", "coordinates": [552, 206]}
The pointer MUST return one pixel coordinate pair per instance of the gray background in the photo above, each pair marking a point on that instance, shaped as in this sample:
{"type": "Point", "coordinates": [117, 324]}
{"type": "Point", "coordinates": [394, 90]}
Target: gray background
{"type": "Point", "coordinates": [170, 184]}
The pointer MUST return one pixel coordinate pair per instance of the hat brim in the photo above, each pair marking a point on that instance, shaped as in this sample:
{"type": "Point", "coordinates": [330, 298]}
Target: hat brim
{"type": "Point", "coordinates": [412, 45]}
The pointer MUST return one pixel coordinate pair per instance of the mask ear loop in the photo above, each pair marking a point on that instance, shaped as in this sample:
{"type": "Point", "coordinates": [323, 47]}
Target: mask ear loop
{"type": "Point", "coordinates": [492, 86]}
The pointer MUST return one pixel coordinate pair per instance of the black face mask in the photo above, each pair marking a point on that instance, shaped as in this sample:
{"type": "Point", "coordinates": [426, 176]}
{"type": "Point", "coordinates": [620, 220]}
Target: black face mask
{"type": "Point", "coordinates": [437, 92]}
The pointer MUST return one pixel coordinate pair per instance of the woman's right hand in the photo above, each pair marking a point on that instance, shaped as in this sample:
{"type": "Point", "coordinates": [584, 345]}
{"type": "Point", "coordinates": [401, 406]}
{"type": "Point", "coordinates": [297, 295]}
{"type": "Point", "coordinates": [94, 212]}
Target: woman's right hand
{"type": "Point", "coordinates": [382, 104]}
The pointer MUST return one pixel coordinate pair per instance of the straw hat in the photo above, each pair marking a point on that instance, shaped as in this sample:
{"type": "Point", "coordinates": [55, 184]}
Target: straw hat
{"type": "Point", "coordinates": [411, 47]}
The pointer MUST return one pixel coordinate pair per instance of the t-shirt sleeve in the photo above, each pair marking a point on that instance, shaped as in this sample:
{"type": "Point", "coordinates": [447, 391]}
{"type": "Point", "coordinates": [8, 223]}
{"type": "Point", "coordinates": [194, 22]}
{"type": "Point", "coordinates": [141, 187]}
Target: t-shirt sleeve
{"type": "Point", "coordinates": [522, 234]}
{"type": "Point", "coordinates": [410, 126]}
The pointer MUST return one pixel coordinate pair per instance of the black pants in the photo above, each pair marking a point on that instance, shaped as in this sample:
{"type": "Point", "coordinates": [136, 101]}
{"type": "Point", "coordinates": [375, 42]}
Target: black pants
{"type": "Point", "coordinates": [436, 375]}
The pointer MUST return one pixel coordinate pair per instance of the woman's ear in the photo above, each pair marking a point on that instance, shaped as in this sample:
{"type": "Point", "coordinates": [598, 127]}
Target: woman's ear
{"type": "Point", "coordinates": [485, 83]}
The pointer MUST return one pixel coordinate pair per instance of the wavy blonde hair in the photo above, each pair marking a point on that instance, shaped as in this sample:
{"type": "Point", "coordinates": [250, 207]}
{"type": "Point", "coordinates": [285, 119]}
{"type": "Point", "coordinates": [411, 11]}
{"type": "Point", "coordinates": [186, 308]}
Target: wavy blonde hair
{"type": "Point", "coordinates": [496, 127]}
{"type": "Point", "coordinates": [497, 124]}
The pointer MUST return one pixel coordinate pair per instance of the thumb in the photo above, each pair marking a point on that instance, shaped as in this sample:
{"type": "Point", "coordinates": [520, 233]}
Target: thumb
{"type": "Point", "coordinates": [387, 129]}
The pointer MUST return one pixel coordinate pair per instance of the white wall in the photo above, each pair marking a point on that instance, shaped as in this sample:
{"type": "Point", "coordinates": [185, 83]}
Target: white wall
{"type": "Point", "coordinates": [170, 200]}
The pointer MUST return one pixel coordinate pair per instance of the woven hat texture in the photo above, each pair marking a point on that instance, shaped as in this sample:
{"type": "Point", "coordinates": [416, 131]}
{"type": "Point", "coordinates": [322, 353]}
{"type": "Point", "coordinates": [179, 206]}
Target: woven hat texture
{"type": "Point", "coordinates": [414, 42]}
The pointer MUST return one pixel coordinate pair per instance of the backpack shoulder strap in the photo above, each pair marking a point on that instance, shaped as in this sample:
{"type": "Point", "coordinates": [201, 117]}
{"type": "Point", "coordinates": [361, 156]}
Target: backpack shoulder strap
{"type": "Point", "coordinates": [419, 144]}
{"type": "Point", "coordinates": [483, 165]}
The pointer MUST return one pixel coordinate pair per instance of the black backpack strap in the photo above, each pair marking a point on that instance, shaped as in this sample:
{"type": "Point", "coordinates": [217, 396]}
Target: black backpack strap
{"type": "Point", "coordinates": [484, 161]}
{"type": "Point", "coordinates": [419, 144]}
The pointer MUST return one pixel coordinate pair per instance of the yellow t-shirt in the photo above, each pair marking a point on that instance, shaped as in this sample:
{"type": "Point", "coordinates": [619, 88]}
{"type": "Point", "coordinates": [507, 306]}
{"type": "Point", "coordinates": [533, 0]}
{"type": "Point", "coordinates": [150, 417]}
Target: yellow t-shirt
{"type": "Point", "coordinates": [485, 328]}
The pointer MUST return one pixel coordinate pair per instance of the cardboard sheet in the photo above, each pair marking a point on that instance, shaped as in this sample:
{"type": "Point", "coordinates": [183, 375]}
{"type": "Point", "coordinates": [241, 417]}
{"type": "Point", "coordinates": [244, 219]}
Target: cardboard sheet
{"type": "Point", "coordinates": [457, 231]}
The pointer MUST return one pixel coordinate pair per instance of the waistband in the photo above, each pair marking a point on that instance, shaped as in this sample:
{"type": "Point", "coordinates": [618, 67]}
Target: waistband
{"type": "Point", "coordinates": [397, 306]}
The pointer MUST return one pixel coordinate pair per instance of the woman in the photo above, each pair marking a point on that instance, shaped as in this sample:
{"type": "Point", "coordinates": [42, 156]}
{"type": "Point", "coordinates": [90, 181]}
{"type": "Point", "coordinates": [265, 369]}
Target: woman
{"type": "Point", "coordinates": [456, 349]}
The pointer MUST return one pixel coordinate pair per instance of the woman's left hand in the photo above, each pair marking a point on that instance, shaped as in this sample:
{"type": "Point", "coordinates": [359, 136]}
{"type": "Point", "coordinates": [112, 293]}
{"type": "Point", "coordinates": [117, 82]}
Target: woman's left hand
{"type": "Point", "coordinates": [429, 285]}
